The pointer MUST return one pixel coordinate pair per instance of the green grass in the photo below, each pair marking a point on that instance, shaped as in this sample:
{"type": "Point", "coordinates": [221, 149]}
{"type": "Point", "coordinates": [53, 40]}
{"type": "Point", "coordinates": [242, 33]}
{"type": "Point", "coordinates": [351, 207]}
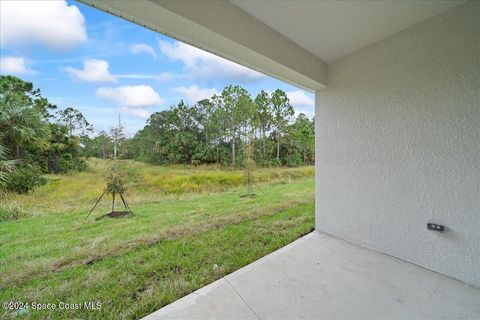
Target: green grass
{"type": "Point", "coordinates": [190, 228]}
{"type": "Point", "coordinates": [147, 183]}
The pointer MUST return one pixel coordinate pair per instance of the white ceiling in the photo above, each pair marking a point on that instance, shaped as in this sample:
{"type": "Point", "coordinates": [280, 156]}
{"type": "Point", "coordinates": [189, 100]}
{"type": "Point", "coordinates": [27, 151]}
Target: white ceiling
{"type": "Point", "coordinates": [332, 29]}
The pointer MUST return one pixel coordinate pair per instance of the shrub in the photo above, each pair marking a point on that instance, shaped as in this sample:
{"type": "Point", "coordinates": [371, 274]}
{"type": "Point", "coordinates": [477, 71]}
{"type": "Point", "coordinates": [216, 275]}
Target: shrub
{"type": "Point", "coordinates": [80, 164]}
{"type": "Point", "coordinates": [294, 160]}
{"type": "Point", "coordinates": [68, 163]}
{"type": "Point", "coordinates": [10, 211]}
{"type": "Point", "coordinates": [275, 162]}
{"type": "Point", "coordinates": [25, 179]}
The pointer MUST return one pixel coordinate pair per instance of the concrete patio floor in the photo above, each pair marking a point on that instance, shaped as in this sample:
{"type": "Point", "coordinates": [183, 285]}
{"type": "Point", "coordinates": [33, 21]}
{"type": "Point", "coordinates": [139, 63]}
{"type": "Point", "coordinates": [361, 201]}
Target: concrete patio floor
{"type": "Point", "coordinates": [323, 277]}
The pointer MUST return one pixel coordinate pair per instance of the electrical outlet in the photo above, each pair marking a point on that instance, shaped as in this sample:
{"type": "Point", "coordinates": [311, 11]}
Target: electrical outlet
{"type": "Point", "coordinates": [435, 227]}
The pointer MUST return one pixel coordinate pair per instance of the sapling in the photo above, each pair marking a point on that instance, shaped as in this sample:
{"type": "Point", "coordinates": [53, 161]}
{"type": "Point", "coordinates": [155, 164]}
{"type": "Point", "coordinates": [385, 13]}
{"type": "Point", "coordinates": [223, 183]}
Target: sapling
{"type": "Point", "coordinates": [116, 183]}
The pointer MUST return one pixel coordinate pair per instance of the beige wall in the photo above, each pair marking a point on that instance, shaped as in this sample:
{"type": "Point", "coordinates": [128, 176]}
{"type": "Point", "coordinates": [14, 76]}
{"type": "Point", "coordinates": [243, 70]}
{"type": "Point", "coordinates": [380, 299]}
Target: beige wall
{"type": "Point", "coordinates": [397, 133]}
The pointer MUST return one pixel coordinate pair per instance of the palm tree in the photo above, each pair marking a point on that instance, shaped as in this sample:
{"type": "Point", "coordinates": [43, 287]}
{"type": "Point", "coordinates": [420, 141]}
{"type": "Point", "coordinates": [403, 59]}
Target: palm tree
{"type": "Point", "coordinates": [22, 126]}
{"type": "Point", "coordinates": [7, 167]}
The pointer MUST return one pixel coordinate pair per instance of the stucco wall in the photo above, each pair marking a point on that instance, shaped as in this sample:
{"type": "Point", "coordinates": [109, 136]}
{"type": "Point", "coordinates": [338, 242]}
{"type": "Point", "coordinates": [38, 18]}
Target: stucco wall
{"type": "Point", "coordinates": [398, 135]}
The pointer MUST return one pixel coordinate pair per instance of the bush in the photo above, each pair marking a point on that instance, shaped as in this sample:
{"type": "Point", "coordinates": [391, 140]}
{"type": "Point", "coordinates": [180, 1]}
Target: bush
{"type": "Point", "coordinates": [25, 179]}
{"type": "Point", "coordinates": [80, 164]}
{"type": "Point", "coordinates": [295, 160]}
{"type": "Point", "coordinates": [67, 163]}
{"type": "Point", "coordinates": [10, 211]}
{"type": "Point", "coordinates": [275, 163]}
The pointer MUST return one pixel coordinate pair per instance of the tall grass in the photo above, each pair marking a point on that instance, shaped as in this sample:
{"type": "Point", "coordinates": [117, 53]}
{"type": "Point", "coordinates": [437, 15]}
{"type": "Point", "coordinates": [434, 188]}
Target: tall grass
{"type": "Point", "coordinates": [146, 183]}
{"type": "Point", "coordinates": [10, 211]}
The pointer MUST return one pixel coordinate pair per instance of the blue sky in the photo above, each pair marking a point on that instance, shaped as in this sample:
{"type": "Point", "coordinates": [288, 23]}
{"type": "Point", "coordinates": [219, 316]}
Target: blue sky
{"type": "Point", "coordinates": [83, 58]}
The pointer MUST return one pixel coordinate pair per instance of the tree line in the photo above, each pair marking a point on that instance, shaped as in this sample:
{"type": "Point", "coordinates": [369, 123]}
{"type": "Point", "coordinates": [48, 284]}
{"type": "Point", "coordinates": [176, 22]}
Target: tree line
{"type": "Point", "coordinates": [221, 130]}
{"type": "Point", "coordinates": [230, 129]}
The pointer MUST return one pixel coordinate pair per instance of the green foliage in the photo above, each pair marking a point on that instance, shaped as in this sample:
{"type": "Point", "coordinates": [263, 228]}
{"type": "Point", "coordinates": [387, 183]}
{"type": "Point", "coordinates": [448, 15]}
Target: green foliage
{"type": "Point", "coordinates": [102, 145]}
{"type": "Point", "coordinates": [228, 129]}
{"type": "Point", "coordinates": [274, 162]}
{"type": "Point", "coordinates": [116, 183]}
{"type": "Point", "coordinates": [219, 130]}
{"type": "Point", "coordinates": [30, 140]}
{"type": "Point", "coordinates": [21, 125]}
{"type": "Point", "coordinates": [26, 94]}
{"type": "Point", "coordinates": [7, 167]}
{"type": "Point", "coordinates": [282, 111]}
{"type": "Point", "coordinates": [68, 163]}
{"type": "Point", "coordinates": [74, 121]}
{"type": "Point", "coordinates": [25, 178]}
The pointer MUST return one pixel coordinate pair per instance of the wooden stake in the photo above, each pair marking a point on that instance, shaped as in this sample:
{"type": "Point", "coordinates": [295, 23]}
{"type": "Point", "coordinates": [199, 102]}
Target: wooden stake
{"type": "Point", "coordinates": [113, 202]}
{"type": "Point", "coordinates": [95, 205]}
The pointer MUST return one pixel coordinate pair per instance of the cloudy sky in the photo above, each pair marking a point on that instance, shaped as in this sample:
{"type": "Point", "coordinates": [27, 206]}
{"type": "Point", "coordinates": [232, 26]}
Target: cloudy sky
{"type": "Point", "coordinates": [84, 58]}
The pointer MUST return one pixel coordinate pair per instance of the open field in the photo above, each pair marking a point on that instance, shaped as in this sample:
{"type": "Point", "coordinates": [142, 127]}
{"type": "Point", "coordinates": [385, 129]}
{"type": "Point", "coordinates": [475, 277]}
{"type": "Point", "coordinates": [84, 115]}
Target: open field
{"type": "Point", "coordinates": [190, 228]}
{"type": "Point", "coordinates": [146, 184]}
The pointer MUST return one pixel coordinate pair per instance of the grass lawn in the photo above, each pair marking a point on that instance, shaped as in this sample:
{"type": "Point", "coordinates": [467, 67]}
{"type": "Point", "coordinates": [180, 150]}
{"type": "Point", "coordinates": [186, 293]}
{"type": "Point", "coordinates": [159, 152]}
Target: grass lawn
{"type": "Point", "coordinates": [190, 228]}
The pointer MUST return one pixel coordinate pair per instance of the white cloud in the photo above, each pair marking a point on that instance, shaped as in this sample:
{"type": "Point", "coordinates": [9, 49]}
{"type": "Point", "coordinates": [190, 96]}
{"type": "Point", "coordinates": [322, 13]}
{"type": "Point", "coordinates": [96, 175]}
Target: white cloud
{"type": "Point", "coordinates": [131, 96]}
{"type": "Point", "coordinates": [144, 48]}
{"type": "Point", "coordinates": [136, 112]}
{"type": "Point", "coordinates": [194, 93]}
{"type": "Point", "coordinates": [299, 98]}
{"type": "Point", "coordinates": [310, 114]}
{"type": "Point", "coordinates": [132, 99]}
{"type": "Point", "coordinates": [162, 77]}
{"type": "Point", "coordinates": [55, 24]}
{"type": "Point", "coordinates": [202, 64]}
{"type": "Point", "coordinates": [13, 65]}
{"type": "Point", "coordinates": [93, 71]}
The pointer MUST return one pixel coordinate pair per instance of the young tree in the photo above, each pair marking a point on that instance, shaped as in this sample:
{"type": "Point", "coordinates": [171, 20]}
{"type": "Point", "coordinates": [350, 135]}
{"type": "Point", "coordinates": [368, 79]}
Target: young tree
{"type": "Point", "coordinates": [117, 135]}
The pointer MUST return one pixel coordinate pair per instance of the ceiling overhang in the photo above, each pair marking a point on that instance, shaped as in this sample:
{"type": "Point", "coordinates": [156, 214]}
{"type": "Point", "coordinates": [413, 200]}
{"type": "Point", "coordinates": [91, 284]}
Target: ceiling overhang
{"type": "Point", "coordinates": [332, 29]}
{"type": "Point", "coordinates": [289, 40]}
{"type": "Point", "coordinates": [224, 29]}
